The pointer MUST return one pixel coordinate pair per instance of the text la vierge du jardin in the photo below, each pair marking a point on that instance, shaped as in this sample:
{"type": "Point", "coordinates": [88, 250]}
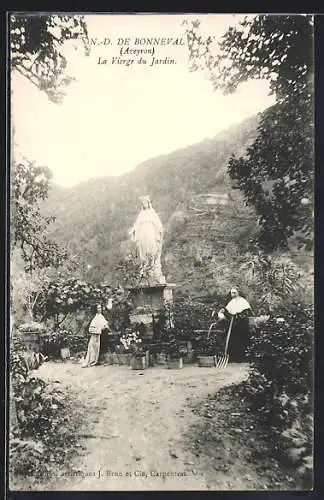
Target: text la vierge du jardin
{"type": "Point", "coordinates": [137, 50]}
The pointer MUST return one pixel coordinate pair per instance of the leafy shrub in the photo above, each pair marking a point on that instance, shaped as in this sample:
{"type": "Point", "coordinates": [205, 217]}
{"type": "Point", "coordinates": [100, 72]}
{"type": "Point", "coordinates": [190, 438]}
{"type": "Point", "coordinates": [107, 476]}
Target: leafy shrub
{"type": "Point", "coordinates": [271, 279]}
{"type": "Point", "coordinates": [18, 367]}
{"type": "Point", "coordinates": [118, 316]}
{"type": "Point", "coordinates": [188, 315]}
{"type": "Point", "coordinates": [211, 346]}
{"type": "Point", "coordinates": [58, 336]}
{"type": "Point", "coordinates": [67, 296]}
{"type": "Point", "coordinates": [63, 337]}
{"type": "Point", "coordinates": [281, 376]}
{"type": "Point", "coordinates": [26, 457]}
{"type": "Point", "coordinates": [37, 402]}
{"type": "Point", "coordinates": [49, 427]}
{"type": "Point", "coordinates": [172, 350]}
{"type": "Point", "coordinates": [77, 342]}
{"type": "Point", "coordinates": [48, 421]}
{"type": "Point", "coordinates": [192, 320]}
{"type": "Point", "coordinates": [281, 352]}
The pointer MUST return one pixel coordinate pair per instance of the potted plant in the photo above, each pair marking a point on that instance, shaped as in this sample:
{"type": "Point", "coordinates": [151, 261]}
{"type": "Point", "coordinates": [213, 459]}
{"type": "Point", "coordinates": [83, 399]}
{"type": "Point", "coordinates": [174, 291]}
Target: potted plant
{"type": "Point", "coordinates": [206, 352]}
{"type": "Point", "coordinates": [56, 343]}
{"type": "Point", "coordinates": [117, 354]}
{"type": "Point", "coordinates": [158, 352]}
{"type": "Point", "coordinates": [174, 357]}
{"type": "Point", "coordinates": [131, 344]}
{"type": "Point", "coordinates": [138, 361]}
{"type": "Point", "coordinates": [161, 358]}
{"type": "Point", "coordinates": [50, 346]}
{"type": "Point", "coordinates": [30, 334]}
{"type": "Point", "coordinates": [64, 344]}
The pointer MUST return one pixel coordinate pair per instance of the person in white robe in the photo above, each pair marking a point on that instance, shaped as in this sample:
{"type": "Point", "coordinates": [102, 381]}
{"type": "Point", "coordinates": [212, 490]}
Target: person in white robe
{"type": "Point", "coordinates": [97, 325]}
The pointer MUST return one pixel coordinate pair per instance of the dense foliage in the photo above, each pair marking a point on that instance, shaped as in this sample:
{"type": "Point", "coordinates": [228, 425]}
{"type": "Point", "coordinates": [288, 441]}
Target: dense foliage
{"type": "Point", "coordinates": [53, 341]}
{"type": "Point", "coordinates": [30, 185]}
{"type": "Point", "coordinates": [188, 316]}
{"type": "Point", "coordinates": [281, 351]}
{"type": "Point", "coordinates": [68, 306]}
{"type": "Point", "coordinates": [46, 429]}
{"type": "Point", "coordinates": [277, 176]}
{"type": "Point", "coordinates": [270, 280]}
{"type": "Point", "coordinates": [276, 173]}
{"type": "Point", "coordinates": [36, 43]}
{"type": "Point", "coordinates": [213, 345]}
{"type": "Point", "coordinates": [187, 319]}
{"type": "Point", "coordinates": [133, 272]}
{"type": "Point", "coordinates": [281, 376]}
{"type": "Point", "coordinates": [65, 296]}
{"type": "Point", "coordinates": [172, 349]}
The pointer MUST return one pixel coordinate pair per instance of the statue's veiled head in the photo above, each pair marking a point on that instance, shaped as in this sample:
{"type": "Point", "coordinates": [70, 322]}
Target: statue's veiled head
{"type": "Point", "coordinates": [145, 202]}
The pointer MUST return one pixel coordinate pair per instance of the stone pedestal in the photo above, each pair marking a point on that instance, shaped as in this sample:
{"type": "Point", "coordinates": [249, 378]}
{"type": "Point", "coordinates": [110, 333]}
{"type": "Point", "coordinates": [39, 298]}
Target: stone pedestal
{"type": "Point", "coordinates": [148, 303]}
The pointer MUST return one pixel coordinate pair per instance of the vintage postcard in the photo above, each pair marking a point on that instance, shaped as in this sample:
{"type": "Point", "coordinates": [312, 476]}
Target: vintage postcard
{"type": "Point", "coordinates": [161, 252]}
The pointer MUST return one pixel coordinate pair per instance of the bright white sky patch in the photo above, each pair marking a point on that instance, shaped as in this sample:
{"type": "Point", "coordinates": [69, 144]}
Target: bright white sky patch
{"type": "Point", "coordinates": [115, 117]}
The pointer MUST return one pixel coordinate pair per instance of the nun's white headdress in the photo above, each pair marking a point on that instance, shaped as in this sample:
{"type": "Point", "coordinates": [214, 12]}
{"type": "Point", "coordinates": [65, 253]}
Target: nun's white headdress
{"type": "Point", "coordinates": [237, 304]}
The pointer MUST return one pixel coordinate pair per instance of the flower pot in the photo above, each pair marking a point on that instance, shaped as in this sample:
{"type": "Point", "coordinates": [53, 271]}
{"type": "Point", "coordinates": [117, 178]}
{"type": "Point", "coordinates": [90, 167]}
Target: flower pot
{"type": "Point", "coordinates": [147, 359]}
{"type": "Point", "coordinates": [175, 364]}
{"type": "Point", "coordinates": [124, 359]}
{"type": "Point", "coordinates": [117, 358]}
{"type": "Point", "coordinates": [161, 358]}
{"type": "Point", "coordinates": [207, 361]}
{"type": "Point", "coordinates": [138, 363]}
{"type": "Point", "coordinates": [65, 353]}
{"type": "Point", "coordinates": [152, 357]}
{"type": "Point", "coordinates": [186, 351]}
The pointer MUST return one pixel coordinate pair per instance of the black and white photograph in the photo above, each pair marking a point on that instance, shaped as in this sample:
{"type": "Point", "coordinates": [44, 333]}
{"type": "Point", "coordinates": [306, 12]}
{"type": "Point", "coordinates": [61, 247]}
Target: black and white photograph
{"type": "Point", "coordinates": [161, 278]}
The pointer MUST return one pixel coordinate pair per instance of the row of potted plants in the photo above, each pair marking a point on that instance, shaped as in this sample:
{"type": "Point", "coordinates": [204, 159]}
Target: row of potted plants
{"type": "Point", "coordinates": [132, 349]}
{"type": "Point", "coordinates": [130, 345]}
{"type": "Point", "coordinates": [169, 353]}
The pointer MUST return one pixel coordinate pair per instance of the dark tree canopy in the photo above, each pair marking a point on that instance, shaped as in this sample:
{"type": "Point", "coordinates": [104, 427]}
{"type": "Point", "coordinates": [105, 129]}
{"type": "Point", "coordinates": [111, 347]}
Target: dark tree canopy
{"type": "Point", "coordinates": [30, 185]}
{"type": "Point", "coordinates": [36, 48]}
{"type": "Point", "coordinates": [276, 174]}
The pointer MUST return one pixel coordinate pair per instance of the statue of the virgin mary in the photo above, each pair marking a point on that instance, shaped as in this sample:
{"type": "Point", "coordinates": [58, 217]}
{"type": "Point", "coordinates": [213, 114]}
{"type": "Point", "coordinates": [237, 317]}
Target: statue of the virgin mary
{"type": "Point", "coordinates": [147, 233]}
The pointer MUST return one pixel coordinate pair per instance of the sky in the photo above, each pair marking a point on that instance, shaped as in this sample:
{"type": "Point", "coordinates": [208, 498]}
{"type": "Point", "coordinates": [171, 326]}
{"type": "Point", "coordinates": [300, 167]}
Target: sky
{"type": "Point", "coordinates": [114, 116]}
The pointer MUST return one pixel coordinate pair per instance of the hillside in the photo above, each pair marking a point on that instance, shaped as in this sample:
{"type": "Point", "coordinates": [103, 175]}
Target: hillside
{"type": "Point", "coordinates": [205, 220]}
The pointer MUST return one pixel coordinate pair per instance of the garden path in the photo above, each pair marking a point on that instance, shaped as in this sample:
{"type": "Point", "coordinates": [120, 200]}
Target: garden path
{"type": "Point", "coordinates": [137, 423]}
